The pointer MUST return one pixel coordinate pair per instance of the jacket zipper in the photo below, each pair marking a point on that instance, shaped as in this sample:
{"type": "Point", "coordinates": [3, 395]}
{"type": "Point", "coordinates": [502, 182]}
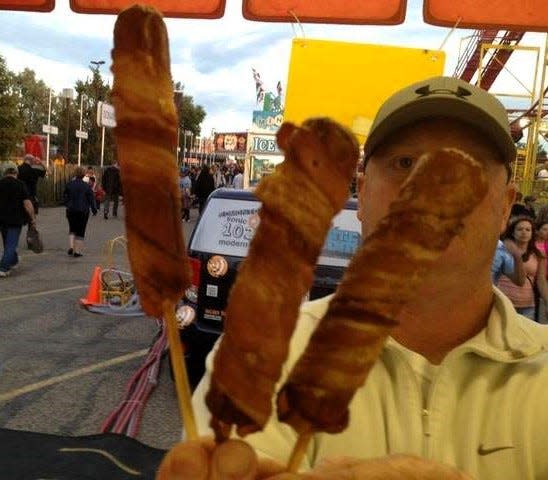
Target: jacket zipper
{"type": "Point", "coordinates": [425, 411]}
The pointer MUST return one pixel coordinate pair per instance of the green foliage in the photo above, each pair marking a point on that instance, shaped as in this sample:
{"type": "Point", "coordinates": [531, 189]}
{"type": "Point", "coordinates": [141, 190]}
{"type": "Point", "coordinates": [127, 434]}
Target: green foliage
{"type": "Point", "coordinates": [190, 115]}
{"type": "Point", "coordinates": [24, 109]}
{"type": "Point", "coordinates": [11, 125]}
{"type": "Point", "coordinates": [32, 100]}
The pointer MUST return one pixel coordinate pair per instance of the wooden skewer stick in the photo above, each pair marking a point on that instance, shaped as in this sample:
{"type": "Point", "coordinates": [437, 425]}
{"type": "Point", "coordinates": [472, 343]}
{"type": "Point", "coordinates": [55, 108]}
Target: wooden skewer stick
{"type": "Point", "coordinates": [299, 451]}
{"type": "Point", "coordinates": [176, 352]}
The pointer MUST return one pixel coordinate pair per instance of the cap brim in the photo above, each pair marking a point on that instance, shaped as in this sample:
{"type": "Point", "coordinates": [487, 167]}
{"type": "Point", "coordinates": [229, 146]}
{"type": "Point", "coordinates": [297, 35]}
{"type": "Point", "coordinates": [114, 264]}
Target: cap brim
{"type": "Point", "coordinates": [443, 107]}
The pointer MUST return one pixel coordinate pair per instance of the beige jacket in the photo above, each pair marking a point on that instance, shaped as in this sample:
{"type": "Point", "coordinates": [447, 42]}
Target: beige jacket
{"type": "Point", "coordinates": [487, 410]}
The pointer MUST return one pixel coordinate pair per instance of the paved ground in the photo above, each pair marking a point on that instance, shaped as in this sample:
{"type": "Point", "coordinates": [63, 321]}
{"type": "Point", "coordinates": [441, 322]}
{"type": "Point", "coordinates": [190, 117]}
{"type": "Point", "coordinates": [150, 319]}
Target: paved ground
{"type": "Point", "coordinates": [48, 342]}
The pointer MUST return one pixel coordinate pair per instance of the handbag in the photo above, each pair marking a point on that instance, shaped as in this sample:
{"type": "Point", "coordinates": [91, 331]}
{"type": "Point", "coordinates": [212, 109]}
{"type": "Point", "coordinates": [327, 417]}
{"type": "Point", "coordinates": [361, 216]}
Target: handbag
{"type": "Point", "coordinates": [34, 241]}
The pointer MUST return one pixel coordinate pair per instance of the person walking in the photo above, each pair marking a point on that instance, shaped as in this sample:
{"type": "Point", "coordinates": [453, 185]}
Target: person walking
{"type": "Point", "coordinates": [521, 231]}
{"type": "Point", "coordinates": [29, 172]}
{"type": "Point", "coordinates": [185, 184]}
{"type": "Point", "coordinates": [112, 186]}
{"type": "Point", "coordinates": [15, 210]}
{"type": "Point", "coordinates": [203, 187]}
{"type": "Point", "coordinates": [79, 200]}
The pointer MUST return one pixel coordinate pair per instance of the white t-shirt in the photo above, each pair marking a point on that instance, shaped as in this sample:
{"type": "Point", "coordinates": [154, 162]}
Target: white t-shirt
{"type": "Point", "coordinates": [543, 173]}
{"type": "Point", "coordinates": [238, 181]}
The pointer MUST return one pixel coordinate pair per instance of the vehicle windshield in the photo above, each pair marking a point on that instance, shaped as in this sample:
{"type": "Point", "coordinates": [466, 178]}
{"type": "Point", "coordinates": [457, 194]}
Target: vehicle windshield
{"type": "Point", "coordinates": [228, 225]}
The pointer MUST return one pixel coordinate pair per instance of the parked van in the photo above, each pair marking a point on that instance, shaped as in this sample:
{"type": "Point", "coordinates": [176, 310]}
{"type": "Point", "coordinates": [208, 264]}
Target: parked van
{"type": "Point", "coordinates": [219, 243]}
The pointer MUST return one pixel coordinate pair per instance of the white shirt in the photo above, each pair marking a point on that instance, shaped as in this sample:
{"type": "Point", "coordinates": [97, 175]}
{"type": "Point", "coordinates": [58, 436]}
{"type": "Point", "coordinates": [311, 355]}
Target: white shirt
{"type": "Point", "coordinates": [238, 181]}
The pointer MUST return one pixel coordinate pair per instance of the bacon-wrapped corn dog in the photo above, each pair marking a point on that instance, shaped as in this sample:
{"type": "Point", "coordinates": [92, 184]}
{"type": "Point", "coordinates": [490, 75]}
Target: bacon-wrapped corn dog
{"type": "Point", "coordinates": [299, 202]}
{"type": "Point", "coordinates": [146, 138]}
{"type": "Point", "coordinates": [383, 275]}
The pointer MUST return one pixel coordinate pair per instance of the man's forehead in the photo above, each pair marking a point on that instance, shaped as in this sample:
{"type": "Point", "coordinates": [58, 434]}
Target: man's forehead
{"type": "Point", "coordinates": [436, 132]}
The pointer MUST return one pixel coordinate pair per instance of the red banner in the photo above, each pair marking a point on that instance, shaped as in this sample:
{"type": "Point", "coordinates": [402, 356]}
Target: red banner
{"type": "Point", "coordinates": [231, 142]}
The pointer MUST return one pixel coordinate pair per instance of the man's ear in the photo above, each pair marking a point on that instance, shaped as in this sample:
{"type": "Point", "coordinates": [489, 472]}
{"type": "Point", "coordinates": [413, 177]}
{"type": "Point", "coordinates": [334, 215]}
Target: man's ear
{"type": "Point", "coordinates": [509, 199]}
{"type": "Point", "coordinates": [360, 184]}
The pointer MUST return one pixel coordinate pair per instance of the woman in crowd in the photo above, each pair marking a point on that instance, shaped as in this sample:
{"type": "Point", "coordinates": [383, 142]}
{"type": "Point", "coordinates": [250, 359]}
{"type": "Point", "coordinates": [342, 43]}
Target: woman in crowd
{"type": "Point", "coordinates": [185, 184]}
{"type": "Point", "coordinates": [79, 199]}
{"type": "Point", "coordinates": [542, 245]}
{"type": "Point", "coordinates": [542, 236]}
{"type": "Point", "coordinates": [203, 187]}
{"type": "Point", "coordinates": [521, 231]}
{"type": "Point", "coordinates": [218, 177]}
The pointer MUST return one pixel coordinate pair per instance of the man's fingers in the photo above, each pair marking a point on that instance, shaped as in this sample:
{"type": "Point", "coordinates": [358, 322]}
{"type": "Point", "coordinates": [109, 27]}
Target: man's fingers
{"type": "Point", "coordinates": [337, 463]}
{"type": "Point", "coordinates": [397, 467]}
{"type": "Point", "coordinates": [233, 460]}
{"type": "Point", "coordinates": [185, 461]}
{"type": "Point", "coordinates": [404, 467]}
{"type": "Point", "coordinates": [268, 468]}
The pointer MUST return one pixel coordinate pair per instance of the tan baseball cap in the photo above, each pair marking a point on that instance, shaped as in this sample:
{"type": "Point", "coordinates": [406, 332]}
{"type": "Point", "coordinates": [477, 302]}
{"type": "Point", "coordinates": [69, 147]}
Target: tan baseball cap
{"type": "Point", "coordinates": [443, 97]}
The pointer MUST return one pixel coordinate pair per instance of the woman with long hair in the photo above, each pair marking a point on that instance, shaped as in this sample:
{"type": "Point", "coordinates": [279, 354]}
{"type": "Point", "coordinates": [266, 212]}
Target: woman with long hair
{"type": "Point", "coordinates": [542, 245]}
{"type": "Point", "coordinates": [542, 236]}
{"type": "Point", "coordinates": [521, 231]}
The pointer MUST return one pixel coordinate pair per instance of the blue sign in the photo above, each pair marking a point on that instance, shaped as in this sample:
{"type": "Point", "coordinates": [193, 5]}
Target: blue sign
{"type": "Point", "coordinates": [267, 121]}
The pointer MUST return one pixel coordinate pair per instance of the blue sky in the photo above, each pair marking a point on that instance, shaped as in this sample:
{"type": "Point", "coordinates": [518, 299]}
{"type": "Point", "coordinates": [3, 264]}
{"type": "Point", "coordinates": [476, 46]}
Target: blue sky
{"type": "Point", "coordinates": [212, 58]}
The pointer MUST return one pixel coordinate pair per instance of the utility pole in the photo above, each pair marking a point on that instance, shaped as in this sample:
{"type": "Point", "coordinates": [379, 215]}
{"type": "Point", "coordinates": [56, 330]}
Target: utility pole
{"type": "Point", "coordinates": [80, 131]}
{"type": "Point", "coordinates": [49, 129]}
{"type": "Point", "coordinates": [68, 94]}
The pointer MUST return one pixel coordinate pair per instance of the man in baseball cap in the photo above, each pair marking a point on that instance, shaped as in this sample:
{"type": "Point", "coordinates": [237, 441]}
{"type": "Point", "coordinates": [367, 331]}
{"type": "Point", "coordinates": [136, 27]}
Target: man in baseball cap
{"type": "Point", "coordinates": [451, 385]}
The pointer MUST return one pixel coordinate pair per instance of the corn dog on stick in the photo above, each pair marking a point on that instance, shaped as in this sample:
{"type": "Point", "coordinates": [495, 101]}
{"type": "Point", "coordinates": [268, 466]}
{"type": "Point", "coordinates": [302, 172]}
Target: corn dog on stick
{"type": "Point", "coordinates": [383, 276]}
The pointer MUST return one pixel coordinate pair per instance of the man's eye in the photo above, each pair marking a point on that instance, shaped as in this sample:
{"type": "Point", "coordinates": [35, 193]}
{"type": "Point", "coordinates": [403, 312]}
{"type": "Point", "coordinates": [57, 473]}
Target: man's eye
{"type": "Point", "coordinates": [404, 163]}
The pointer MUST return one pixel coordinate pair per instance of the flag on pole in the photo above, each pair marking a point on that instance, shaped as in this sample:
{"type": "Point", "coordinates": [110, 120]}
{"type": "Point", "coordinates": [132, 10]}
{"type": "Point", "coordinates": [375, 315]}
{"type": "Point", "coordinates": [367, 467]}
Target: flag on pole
{"type": "Point", "coordinates": [259, 87]}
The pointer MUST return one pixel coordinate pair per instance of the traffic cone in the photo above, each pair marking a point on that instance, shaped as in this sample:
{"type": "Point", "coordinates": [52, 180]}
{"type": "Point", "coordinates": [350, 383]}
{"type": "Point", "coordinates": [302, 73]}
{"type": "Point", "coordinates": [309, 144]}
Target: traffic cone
{"type": "Point", "coordinates": [94, 290]}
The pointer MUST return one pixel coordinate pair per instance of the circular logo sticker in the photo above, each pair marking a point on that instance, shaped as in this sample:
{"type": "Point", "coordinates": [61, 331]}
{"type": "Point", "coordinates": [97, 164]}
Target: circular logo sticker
{"type": "Point", "coordinates": [185, 316]}
{"type": "Point", "coordinates": [254, 220]}
{"type": "Point", "coordinates": [217, 266]}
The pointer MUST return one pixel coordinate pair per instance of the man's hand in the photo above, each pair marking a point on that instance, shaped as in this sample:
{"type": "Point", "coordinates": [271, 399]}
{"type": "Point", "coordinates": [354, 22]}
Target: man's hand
{"type": "Point", "coordinates": [235, 459]}
{"type": "Point", "coordinates": [204, 460]}
{"type": "Point", "coordinates": [395, 467]}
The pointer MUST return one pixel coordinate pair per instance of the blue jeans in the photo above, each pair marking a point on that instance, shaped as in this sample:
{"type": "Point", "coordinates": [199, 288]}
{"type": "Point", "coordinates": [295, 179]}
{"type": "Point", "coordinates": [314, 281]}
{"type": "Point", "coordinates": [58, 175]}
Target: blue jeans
{"type": "Point", "coordinates": [10, 237]}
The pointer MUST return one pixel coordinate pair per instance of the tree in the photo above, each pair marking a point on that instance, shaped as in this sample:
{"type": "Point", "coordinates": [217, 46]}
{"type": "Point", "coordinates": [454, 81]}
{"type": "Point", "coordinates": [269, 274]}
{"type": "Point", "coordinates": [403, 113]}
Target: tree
{"type": "Point", "coordinates": [11, 126]}
{"type": "Point", "coordinates": [32, 98]}
{"type": "Point", "coordinates": [95, 90]}
{"type": "Point", "coordinates": [190, 115]}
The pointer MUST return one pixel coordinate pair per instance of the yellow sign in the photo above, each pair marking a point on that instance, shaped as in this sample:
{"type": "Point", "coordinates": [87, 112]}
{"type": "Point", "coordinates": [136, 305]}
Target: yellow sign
{"type": "Point", "coordinates": [349, 81]}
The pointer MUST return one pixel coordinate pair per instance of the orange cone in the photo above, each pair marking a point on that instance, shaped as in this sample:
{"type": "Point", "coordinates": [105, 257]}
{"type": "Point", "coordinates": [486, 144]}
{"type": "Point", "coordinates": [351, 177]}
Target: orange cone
{"type": "Point", "coordinates": [94, 290]}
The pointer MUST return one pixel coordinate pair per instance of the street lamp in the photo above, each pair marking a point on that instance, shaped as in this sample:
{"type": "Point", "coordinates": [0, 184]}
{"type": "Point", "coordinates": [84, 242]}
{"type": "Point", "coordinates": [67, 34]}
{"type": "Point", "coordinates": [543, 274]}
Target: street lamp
{"type": "Point", "coordinates": [80, 133]}
{"type": "Point", "coordinates": [177, 97]}
{"type": "Point", "coordinates": [49, 129]}
{"type": "Point", "coordinates": [98, 64]}
{"type": "Point", "coordinates": [67, 94]}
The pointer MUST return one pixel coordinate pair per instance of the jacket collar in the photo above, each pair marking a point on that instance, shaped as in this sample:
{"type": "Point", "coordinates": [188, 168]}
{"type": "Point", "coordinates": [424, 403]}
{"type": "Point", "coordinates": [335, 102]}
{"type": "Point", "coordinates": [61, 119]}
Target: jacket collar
{"type": "Point", "coordinates": [508, 337]}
